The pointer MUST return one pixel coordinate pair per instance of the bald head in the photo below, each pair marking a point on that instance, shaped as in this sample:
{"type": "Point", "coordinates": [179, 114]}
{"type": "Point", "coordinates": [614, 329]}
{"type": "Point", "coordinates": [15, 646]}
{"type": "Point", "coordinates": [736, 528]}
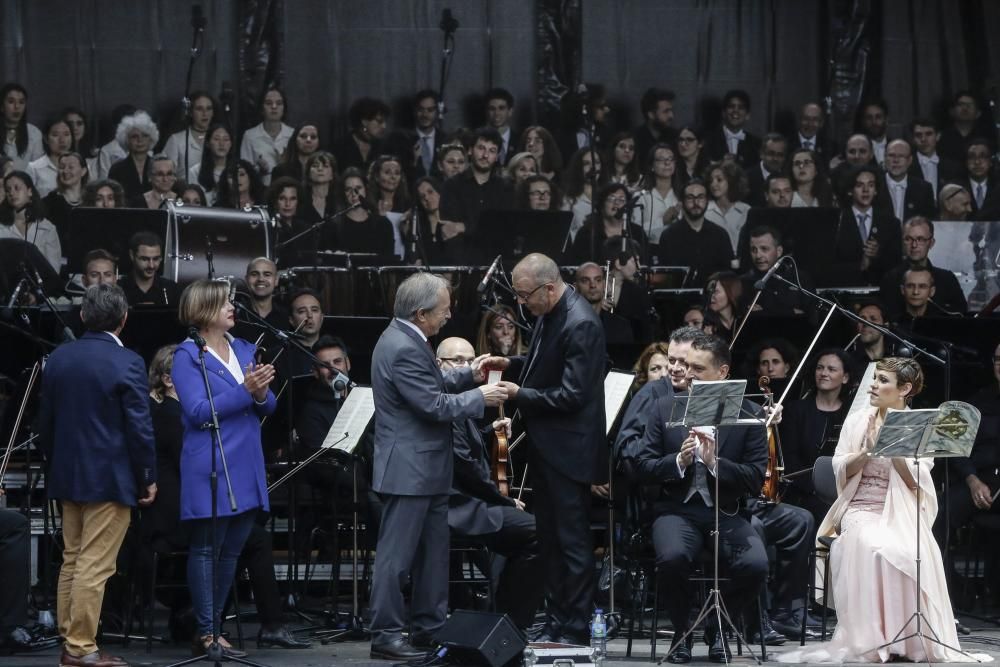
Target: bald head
{"type": "Point", "coordinates": [453, 352]}
{"type": "Point", "coordinates": [858, 150]}
{"type": "Point", "coordinates": [538, 268]}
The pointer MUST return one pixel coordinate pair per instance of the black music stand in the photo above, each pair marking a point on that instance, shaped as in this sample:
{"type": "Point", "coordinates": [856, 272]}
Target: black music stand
{"type": "Point", "coordinates": [148, 329]}
{"type": "Point", "coordinates": [15, 256]}
{"type": "Point", "coordinates": [110, 229]}
{"type": "Point", "coordinates": [514, 234]}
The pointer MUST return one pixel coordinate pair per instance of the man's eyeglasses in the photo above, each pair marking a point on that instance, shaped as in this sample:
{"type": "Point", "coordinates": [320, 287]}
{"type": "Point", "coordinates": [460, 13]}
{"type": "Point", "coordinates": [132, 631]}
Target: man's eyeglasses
{"type": "Point", "coordinates": [919, 240]}
{"type": "Point", "coordinates": [458, 361]}
{"type": "Point", "coordinates": [524, 296]}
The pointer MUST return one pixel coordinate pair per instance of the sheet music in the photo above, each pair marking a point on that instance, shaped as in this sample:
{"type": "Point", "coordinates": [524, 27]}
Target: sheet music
{"type": "Point", "coordinates": [352, 420]}
{"type": "Point", "coordinates": [616, 388]}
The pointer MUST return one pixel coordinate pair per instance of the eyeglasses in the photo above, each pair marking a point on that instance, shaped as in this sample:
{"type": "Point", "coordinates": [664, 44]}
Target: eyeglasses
{"type": "Point", "coordinates": [664, 160]}
{"type": "Point", "coordinates": [458, 361]}
{"type": "Point", "coordinates": [541, 194]}
{"type": "Point", "coordinates": [524, 296]}
{"type": "Point", "coordinates": [798, 164]}
{"type": "Point", "coordinates": [918, 240]}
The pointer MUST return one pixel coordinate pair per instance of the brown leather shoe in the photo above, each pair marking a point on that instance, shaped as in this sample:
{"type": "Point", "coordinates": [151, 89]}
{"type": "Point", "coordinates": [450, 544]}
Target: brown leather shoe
{"type": "Point", "coordinates": [95, 659]}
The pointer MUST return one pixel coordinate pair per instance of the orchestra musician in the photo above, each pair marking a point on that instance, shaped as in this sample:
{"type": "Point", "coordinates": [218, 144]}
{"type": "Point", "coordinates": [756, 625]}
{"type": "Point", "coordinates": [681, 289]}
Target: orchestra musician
{"type": "Point", "coordinates": [478, 509]}
{"type": "Point", "coordinates": [684, 464]}
{"type": "Point", "coordinates": [560, 395]}
{"type": "Point", "coordinates": [414, 406]}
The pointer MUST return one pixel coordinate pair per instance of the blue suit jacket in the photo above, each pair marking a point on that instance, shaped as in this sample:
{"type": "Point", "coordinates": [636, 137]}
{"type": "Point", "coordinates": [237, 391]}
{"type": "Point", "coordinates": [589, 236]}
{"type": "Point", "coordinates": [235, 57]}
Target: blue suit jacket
{"type": "Point", "coordinates": [414, 407]}
{"type": "Point", "coordinates": [239, 423]}
{"type": "Point", "coordinates": [94, 422]}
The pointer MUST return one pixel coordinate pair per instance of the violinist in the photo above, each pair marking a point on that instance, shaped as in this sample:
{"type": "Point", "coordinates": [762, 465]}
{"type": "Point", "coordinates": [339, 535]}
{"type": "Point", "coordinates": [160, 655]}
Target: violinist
{"type": "Point", "coordinates": [478, 509]}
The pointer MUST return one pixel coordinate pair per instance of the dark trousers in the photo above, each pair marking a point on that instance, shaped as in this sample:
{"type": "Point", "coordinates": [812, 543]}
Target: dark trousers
{"type": "Point", "coordinates": [412, 545]}
{"type": "Point", "coordinates": [562, 516]}
{"type": "Point", "coordinates": [679, 538]}
{"type": "Point", "coordinates": [15, 541]}
{"type": "Point", "coordinates": [791, 531]}
{"type": "Point", "coordinates": [519, 586]}
{"type": "Point", "coordinates": [959, 509]}
{"type": "Point", "coordinates": [258, 559]}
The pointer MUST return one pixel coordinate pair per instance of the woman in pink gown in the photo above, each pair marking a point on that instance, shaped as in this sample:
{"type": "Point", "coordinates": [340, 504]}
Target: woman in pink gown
{"type": "Point", "coordinates": [873, 560]}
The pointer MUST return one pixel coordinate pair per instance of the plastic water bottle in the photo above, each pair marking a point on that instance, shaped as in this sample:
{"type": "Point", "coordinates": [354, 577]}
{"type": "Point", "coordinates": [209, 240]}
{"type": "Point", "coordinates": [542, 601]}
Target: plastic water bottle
{"type": "Point", "coordinates": [599, 636]}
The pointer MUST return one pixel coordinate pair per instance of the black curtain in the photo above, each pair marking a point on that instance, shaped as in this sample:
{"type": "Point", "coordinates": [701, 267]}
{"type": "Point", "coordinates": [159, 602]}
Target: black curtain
{"type": "Point", "coordinates": [99, 53]}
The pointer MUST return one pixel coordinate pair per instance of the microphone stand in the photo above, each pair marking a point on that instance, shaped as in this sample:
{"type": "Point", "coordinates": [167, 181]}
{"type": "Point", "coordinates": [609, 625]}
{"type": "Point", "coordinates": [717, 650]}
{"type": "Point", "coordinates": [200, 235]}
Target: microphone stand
{"type": "Point", "coordinates": [209, 256]}
{"type": "Point", "coordinates": [449, 25]}
{"type": "Point", "coordinates": [214, 652]}
{"type": "Point", "coordinates": [35, 282]}
{"type": "Point", "coordinates": [313, 227]}
{"type": "Point", "coordinates": [286, 341]}
{"type": "Point", "coordinates": [198, 24]}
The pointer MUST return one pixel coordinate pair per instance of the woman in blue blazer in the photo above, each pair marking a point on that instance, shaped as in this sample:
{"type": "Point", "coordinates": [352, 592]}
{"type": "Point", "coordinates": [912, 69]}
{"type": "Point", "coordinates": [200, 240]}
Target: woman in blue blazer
{"type": "Point", "coordinates": [239, 389]}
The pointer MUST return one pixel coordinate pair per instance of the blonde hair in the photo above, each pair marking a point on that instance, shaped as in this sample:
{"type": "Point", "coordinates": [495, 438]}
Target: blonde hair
{"type": "Point", "coordinates": [906, 371]}
{"type": "Point", "coordinates": [201, 301]}
{"type": "Point", "coordinates": [160, 366]}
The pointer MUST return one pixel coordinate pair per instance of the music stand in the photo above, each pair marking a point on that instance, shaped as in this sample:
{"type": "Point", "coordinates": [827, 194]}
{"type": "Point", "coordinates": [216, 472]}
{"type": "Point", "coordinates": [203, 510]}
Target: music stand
{"type": "Point", "coordinates": [713, 403]}
{"type": "Point", "coordinates": [345, 434]}
{"type": "Point", "coordinates": [110, 229]}
{"type": "Point", "coordinates": [947, 432]}
{"type": "Point", "coordinates": [616, 389]}
{"type": "Point", "coordinates": [514, 234]}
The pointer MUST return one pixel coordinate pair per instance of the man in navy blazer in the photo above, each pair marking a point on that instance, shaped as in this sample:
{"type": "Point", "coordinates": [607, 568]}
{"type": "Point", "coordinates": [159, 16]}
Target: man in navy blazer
{"type": "Point", "coordinates": [684, 465]}
{"type": "Point", "coordinates": [97, 435]}
{"type": "Point", "coordinates": [560, 396]}
{"type": "Point", "coordinates": [415, 405]}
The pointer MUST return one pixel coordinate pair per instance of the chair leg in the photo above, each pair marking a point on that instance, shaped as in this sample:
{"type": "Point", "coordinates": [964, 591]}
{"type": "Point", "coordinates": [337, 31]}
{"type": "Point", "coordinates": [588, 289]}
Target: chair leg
{"type": "Point", "coordinates": [826, 594]}
{"type": "Point", "coordinates": [760, 624]}
{"type": "Point", "coordinates": [151, 602]}
{"type": "Point", "coordinates": [656, 614]}
{"type": "Point", "coordinates": [636, 607]}
{"type": "Point", "coordinates": [810, 590]}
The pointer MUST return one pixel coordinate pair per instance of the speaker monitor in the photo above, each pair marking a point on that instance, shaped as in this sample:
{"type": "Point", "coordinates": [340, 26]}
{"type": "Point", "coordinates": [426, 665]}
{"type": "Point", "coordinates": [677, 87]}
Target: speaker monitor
{"type": "Point", "coordinates": [481, 638]}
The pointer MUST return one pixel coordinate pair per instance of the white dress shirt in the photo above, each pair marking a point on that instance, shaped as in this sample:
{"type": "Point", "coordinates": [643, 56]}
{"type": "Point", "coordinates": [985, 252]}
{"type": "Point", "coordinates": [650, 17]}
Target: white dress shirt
{"type": "Point", "coordinates": [34, 150]}
{"type": "Point", "coordinates": [879, 149]}
{"type": "Point", "coordinates": [732, 220]}
{"type": "Point", "coordinates": [44, 174]}
{"type": "Point", "coordinates": [929, 168]}
{"type": "Point", "coordinates": [264, 151]}
{"type": "Point", "coordinates": [733, 139]}
{"type": "Point", "coordinates": [807, 142]}
{"type": "Point", "coordinates": [654, 205]}
{"type": "Point", "coordinates": [897, 192]}
{"type": "Point", "coordinates": [581, 209]}
{"type": "Point", "coordinates": [174, 149]}
{"type": "Point", "coordinates": [110, 153]}
{"type": "Point", "coordinates": [43, 235]}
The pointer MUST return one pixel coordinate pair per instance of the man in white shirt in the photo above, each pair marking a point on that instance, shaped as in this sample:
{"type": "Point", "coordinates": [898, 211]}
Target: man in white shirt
{"type": "Point", "coordinates": [264, 144]}
{"type": "Point", "coordinates": [903, 195]}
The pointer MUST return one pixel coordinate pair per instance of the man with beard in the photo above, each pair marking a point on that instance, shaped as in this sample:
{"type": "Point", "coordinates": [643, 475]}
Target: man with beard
{"type": "Point", "coordinates": [873, 121]}
{"type": "Point", "coordinates": [144, 285]}
{"type": "Point", "coordinates": [262, 279]}
{"type": "Point", "coordinates": [476, 190]}
{"type": "Point", "coordinates": [591, 282]}
{"type": "Point", "coordinates": [306, 320]}
{"type": "Point", "coordinates": [777, 297]}
{"type": "Point", "coordinates": [657, 106]}
{"type": "Point", "coordinates": [694, 242]}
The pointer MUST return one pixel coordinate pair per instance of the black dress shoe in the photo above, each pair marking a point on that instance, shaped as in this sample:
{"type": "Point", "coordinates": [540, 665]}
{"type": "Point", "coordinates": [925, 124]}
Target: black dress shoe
{"type": "Point", "coordinates": [397, 649]}
{"type": "Point", "coordinates": [280, 637]}
{"type": "Point", "coordinates": [718, 648]}
{"type": "Point", "coordinates": [680, 652]}
{"type": "Point", "coordinates": [771, 636]}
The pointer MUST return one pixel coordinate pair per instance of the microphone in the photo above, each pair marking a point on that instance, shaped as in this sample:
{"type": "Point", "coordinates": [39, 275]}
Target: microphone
{"type": "Point", "coordinates": [448, 22]}
{"type": "Point", "coordinates": [341, 382]}
{"type": "Point", "coordinates": [232, 291]}
{"type": "Point", "coordinates": [196, 336]}
{"type": "Point", "coordinates": [228, 96]}
{"type": "Point", "coordinates": [16, 294]}
{"type": "Point", "coordinates": [198, 20]}
{"type": "Point", "coordinates": [581, 91]}
{"type": "Point", "coordinates": [485, 282]}
{"type": "Point", "coordinates": [770, 272]}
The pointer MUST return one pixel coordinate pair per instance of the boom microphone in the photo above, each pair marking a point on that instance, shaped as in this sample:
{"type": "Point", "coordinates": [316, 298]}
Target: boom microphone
{"type": "Point", "coordinates": [485, 282]}
{"type": "Point", "coordinates": [770, 272]}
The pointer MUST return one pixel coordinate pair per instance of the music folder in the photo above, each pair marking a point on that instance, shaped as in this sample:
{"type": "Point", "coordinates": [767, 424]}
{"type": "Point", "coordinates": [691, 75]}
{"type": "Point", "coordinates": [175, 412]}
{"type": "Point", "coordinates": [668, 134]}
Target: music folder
{"type": "Point", "coordinates": [946, 432]}
{"type": "Point", "coordinates": [353, 418]}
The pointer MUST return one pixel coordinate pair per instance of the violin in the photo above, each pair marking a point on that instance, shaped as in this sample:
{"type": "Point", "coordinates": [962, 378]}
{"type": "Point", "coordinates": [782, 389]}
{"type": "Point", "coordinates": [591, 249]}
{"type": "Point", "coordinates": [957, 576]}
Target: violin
{"type": "Point", "coordinates": [770, 491]}
{"type": "Point", "coordinates": [501, 461]}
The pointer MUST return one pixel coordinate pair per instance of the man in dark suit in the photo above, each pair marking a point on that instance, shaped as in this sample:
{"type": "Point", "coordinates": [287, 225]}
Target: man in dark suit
{"type": "Point", "coordinates": [810, 132]}
{"type": "Point", "coordinates": [477, 509]}
{"type": "Point", "coordinates": [560, 396]}
{"type": "Point", "coordinates": [868, 240]}
{"type": "Point", "coordinates": [499, 114]}
{"type": "Point", "coordinates": [772, 161]}
{"type": "Point", "coordinates": [684, 463]}
{"type": "Point", "coordinates": [733, 137]}
{"type": "Point", "coordinates": [983, 187]}
{"type": "Point", "coordinates": [414, 407]}
{"type": "Point", "coordinates": [429, 135]}
{"type": "Point", "coordinates": [933, 168]}
{"type": "Point", "coordinates": [904, 196]}
{"type": "Point", "coordinates": [96, 432]}
{"type": "Point", "coordinates": [633, 424]}
{"type": "Point", "coordinates": [918, 239]}
{"type": "Point", "coordinates": [657, 107]}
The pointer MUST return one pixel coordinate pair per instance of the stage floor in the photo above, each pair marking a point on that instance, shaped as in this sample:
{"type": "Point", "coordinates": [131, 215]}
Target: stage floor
{"type": "Point", "coordinates": [985, 638]}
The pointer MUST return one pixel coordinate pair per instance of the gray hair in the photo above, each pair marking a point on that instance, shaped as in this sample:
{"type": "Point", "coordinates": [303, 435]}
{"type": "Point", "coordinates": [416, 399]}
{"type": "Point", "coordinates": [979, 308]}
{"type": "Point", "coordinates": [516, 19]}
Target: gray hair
{"type": "Point", "coordinates": [104, 307]}
{"type": "Point", "coordinates": [418, 292]}
{"type": "Point", "coordinates": [141, 121]}
{"type": "Point", "coordinates": [540, 268]}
